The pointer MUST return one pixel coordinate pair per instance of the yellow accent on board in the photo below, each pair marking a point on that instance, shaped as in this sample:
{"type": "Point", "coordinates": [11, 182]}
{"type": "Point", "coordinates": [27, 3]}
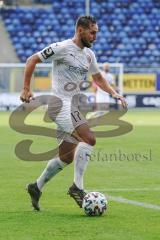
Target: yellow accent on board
{"type": "Point", "coordinates": [139, 83]}
{"type": "Point", "coordinates": [42, 83]}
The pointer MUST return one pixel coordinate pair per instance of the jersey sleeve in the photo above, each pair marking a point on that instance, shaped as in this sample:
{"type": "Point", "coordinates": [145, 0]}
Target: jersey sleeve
{"type": "Point", "coordinates": [94, 65]}
{"type": "Point", "coordinates": [52, 52]}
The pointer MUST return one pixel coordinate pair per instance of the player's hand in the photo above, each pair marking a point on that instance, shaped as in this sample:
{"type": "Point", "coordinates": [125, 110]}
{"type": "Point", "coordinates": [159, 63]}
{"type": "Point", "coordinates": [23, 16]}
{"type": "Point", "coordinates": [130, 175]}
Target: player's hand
{"type": "Point", "coordinates": [121, 98]}
{"type": "Point", "coordinates": [26, 95]}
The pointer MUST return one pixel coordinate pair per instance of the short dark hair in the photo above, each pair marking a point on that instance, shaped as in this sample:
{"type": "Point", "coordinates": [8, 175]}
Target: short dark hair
{"type": "Point", "coordinates": [84, 21]}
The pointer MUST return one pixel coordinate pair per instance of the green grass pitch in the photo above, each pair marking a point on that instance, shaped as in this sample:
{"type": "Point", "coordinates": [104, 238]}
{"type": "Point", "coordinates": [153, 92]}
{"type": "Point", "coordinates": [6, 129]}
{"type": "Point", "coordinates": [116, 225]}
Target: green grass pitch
{"type": "Point", "coordinates": [60, 218]}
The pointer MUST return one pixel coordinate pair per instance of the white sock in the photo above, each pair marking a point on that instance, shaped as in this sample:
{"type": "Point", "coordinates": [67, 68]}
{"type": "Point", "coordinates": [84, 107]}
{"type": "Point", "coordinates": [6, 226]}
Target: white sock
{"type": "Point", "coordinates": [53, 167]}
{"type": "Point", "coordinates": [81, 158]}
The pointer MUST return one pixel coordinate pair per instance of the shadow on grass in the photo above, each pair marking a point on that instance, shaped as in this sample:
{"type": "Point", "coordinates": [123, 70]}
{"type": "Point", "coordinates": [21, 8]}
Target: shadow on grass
{"type": "Point", "coordinates": [46, 214]}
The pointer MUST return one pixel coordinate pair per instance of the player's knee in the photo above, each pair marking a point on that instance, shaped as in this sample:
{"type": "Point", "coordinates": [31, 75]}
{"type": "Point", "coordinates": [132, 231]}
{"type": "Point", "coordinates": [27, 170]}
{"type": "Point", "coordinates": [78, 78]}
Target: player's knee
{"type": "Point", "coordinates": [66, 159]}
{"type": "Point", "coordinates": [91, 141]}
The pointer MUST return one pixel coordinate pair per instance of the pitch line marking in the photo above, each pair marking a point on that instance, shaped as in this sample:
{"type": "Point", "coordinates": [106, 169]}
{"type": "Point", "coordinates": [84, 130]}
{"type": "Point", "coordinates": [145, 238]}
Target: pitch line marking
{"type": "Point", "coordinates": [127, 189]}
{"type": "Point", "coordinates": [133, 202]}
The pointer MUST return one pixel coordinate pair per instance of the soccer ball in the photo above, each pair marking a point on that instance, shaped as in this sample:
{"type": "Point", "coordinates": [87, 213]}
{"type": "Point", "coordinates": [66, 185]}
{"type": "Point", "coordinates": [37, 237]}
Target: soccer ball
{"type": "Point", "coordinates": [94, 204]}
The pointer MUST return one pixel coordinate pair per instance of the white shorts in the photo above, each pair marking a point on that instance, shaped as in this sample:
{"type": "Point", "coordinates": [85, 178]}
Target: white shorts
{"type": "Point", "coordinates": [67, 118]}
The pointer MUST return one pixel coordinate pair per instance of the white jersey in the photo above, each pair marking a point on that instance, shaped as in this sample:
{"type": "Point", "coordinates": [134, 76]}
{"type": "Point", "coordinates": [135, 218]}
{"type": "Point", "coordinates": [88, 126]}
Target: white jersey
{"type": "Point", "coordinates": [102, 96]}
{"type": "Point", "coordinates": [71, 65]}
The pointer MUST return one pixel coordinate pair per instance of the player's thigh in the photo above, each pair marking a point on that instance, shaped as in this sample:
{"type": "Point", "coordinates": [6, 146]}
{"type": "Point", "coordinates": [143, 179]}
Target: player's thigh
{"type": "Point", "coordinates": [66, 151]}
{"type": "Point", "coordinates": [84, 134]}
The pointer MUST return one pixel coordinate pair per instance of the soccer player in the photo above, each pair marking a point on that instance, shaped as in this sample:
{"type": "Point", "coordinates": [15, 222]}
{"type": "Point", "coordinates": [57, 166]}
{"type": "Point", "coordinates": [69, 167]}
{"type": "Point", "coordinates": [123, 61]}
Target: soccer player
{"type": "Point", "coordinates": [102, 96]}
{"type": "Point", "coordinates": [72, 59]}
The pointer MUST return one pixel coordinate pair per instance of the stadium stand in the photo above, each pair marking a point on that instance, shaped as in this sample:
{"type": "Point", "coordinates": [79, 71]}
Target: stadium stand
{"type": "Point", "coordinates": [129, 30]}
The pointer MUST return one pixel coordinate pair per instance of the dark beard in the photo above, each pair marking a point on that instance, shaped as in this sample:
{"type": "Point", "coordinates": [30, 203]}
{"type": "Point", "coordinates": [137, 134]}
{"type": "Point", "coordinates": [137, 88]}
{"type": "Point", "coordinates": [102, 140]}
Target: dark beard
{"type": "Point", "coordinates": [85, 43]}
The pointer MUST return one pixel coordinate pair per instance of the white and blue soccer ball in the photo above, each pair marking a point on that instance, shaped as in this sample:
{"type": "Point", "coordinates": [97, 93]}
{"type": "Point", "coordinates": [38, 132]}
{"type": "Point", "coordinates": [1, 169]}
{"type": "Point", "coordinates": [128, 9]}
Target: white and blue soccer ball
{"type": "Point", "coordinates": [94, 204]}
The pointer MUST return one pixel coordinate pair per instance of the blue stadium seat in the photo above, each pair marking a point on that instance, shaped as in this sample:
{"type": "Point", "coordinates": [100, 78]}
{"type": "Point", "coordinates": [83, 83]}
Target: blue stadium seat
{"type": "Point", "coordinates": [129, 30]}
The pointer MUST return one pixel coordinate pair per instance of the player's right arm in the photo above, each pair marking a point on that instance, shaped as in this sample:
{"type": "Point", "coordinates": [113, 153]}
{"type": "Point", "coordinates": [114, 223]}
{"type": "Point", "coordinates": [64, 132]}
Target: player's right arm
{"type": "Point", "coordinates": [52, 52]}
{"type": "Point", "coordinates": [31, 62]}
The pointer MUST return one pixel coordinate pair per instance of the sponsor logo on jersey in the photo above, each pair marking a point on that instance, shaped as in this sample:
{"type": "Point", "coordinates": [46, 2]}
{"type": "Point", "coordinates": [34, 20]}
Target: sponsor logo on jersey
{"type": "Point", "coordinates": [47, 52]}
{"type": "Point", "coordinates": [78, 70]}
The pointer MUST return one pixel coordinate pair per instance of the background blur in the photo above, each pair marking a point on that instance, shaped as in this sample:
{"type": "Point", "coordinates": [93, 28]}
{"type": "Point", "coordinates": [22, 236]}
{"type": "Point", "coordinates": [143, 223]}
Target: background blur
{"type": "Point", "coordinates": [129, 34]}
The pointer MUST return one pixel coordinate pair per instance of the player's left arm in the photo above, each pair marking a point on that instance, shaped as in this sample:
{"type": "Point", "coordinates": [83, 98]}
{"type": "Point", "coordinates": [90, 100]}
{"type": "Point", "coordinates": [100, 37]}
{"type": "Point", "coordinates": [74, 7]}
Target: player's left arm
{"type": "Point", "coordinates": [105, 86]}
